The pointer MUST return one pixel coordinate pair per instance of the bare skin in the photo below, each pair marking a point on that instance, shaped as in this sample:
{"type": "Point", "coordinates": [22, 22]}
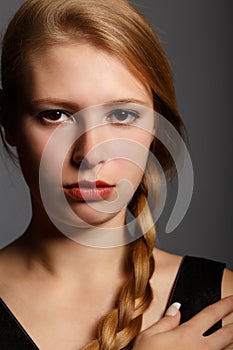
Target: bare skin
{"type": "Point", "coordinates": [61, 308]}
{"type": "Point", "coordinates": [57, 288]}
{"type": "Point", "coordinates": [167, 333]}
{"type": "Point", "coordinates": [38, 297]}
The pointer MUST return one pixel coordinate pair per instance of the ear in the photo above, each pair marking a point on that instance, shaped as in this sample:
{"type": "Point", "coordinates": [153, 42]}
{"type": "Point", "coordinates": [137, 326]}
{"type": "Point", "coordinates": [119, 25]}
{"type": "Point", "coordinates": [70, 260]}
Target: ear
{"type": "Point", "coordinates": [4, 123]}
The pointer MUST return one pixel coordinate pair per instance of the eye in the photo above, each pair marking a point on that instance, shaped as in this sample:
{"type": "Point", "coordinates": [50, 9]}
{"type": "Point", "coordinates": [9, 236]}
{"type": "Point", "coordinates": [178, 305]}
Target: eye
{"type": "Point", "coordinates": [54, 116]}
{"type": "Point", "coordinates": [122, 116]}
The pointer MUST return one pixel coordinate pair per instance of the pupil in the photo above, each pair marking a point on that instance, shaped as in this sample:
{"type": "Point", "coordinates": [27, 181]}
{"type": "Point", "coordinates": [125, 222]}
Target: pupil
{"type": "Point", "coordinates": [121, 115]}
{"type": "Point", "coordinates": [55, 115]}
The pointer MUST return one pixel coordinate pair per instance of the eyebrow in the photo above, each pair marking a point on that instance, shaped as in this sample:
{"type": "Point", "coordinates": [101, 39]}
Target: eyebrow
{"type": "Point", "coordinates": [128, 100]}
{"type": "Point", "coordinates": [57, 102]}
{"type": "Point", "coordinates": [68, 104]}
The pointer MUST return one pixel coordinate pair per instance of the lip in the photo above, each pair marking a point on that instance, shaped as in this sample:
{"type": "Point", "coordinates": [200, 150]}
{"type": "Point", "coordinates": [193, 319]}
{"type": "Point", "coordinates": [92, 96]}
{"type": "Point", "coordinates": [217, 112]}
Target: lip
{"type": "Point", "coordinates": [89, 190]}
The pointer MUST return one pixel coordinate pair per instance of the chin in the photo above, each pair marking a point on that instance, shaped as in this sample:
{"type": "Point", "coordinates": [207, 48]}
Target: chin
{"type": "Point", "coordinates": [97, 218]}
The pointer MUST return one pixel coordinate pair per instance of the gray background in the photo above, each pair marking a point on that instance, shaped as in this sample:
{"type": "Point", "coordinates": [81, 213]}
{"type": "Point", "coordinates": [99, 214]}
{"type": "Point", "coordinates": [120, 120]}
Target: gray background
{"type": "Point", "coordinates": [197, 36]}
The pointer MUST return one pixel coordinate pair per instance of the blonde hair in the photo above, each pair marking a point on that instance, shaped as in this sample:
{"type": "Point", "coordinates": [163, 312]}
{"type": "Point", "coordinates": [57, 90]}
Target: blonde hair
{"type": "Point", "coordinates": [114, 26]}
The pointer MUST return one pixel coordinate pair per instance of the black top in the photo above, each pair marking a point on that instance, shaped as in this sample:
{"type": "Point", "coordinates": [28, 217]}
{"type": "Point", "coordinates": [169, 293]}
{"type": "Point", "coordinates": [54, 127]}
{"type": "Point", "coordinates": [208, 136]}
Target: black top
{"type": "Point", "coordinates": [197, 284]}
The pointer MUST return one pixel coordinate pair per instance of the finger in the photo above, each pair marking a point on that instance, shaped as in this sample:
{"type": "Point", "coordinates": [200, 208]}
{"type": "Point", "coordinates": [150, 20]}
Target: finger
{"type": "Point", "coordinates": [173, 309]}
{"type": "Point", "coordinates": [221, 338]}
{"type": "Point", "coordinates": [211, 314]}
{"type": "Point", "coordinates": [170, 321]}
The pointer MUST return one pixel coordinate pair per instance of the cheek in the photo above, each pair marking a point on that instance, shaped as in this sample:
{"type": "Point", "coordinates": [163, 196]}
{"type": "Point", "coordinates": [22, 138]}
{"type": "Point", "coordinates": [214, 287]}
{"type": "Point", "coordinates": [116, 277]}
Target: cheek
{"type": "Point", "coordinates": [30, 145]}
{"type": "Point", "coordinates": [131, 172]}
{"type": "Point", "coordinates": [144, 138]}
{"type": "Point", "coordinates": [119, 171]}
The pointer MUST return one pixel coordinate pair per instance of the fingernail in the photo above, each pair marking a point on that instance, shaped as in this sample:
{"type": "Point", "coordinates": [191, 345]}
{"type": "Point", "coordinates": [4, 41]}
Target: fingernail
{"type": "Point", "coordinates": [173, 309]}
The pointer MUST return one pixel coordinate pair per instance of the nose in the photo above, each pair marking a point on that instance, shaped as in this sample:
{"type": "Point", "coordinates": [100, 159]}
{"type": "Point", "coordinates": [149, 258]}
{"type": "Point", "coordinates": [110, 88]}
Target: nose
{"type": "Point", "coordinates": [90, 149]}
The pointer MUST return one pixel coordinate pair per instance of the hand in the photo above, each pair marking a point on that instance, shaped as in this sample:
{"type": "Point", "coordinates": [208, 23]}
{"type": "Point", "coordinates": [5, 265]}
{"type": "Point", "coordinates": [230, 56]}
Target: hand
{"type": "Point", "coordinates": [167, 334]}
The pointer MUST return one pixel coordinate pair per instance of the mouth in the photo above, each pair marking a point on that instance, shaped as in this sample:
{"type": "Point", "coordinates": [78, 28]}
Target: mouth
{"type": "Point", "coordinates": [88, 190]}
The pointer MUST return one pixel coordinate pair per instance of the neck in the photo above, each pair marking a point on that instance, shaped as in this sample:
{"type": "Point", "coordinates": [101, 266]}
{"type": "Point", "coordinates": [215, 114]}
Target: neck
{"type": "Point", "coordinates": [49, 252]}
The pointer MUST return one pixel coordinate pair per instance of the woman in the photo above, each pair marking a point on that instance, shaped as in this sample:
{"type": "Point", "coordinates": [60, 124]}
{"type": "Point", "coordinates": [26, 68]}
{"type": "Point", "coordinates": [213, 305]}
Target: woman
{"type": "Point", "coordinates": [85, 78]}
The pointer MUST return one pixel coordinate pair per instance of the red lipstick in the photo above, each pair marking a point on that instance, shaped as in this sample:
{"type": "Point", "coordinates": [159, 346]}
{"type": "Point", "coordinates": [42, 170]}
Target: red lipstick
{"type": "Point", "coordinates": [89, 191]}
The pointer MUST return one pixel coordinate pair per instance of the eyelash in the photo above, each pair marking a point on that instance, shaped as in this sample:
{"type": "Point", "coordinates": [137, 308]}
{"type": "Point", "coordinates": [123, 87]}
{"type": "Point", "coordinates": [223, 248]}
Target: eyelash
{"type": "Point", "coordinates": [44, 116]}
{"type": "Point", "coordinates": [124, 112]}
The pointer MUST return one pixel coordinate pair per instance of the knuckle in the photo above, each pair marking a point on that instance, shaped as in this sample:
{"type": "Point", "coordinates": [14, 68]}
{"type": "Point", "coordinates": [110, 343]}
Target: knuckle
{"type": "Point", "coordinates": [150, 332]}
{"type": "Point", "coordinates": [213, 313]}
{"type": "Point", "coordinates": [164, 325]}
{"type": "Point", "coordinates": [230, 302]}
{"type": "Point", "coordinates": [212, 310]}
{"type": "Point", "coordinates": [229, 333]}
{"type": "Point", "coordinates": [187, 333]}
{"type": "Point", "coordinates": [168, 322]}
{"type": "Point", "coordinates": [190, 340]}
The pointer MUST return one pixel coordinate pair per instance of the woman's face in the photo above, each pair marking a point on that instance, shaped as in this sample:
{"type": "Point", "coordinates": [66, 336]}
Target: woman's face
{"type": "Point", "coordinates": [83, 91]}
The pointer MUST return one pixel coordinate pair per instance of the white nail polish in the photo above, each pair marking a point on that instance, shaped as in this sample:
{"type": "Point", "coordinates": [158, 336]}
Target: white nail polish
{"type": "Point", "coordinates": [173, 309]}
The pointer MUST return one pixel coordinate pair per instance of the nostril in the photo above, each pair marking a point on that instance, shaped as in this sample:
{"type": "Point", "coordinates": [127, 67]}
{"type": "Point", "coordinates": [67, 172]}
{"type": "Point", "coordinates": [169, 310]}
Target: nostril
{"type": "Point", "coordinates": [76, 160]}
{"type": "Point", "coordinates": [87, 155]}
{"type": "Point", "coordinates": [82, 163]}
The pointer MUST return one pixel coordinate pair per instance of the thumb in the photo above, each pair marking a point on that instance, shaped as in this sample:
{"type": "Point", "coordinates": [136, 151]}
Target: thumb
{"type": "Point", "coordinates": [169, 321]}
{"type": "Point", "coordinates": [173, 309]}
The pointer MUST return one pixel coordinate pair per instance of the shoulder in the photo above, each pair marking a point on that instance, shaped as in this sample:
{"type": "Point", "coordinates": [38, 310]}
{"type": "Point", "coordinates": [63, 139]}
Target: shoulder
{"type": "Point", "coordinates": [165, 259]}
{"type": "Point", "coordinates": [10, 267]}
{"type": "Point", "coordinates": [166, 268]}
{"type": "Point", "coordinates": [227, 283]}
{"type": "Point", "coordinates": [196, 282]}
{"type": "Point", "coordinates": [206, 273]}
{"type": "Point", "coordinates": [227, 289]}
{"type": "Point", "coordinates": [5, 267]}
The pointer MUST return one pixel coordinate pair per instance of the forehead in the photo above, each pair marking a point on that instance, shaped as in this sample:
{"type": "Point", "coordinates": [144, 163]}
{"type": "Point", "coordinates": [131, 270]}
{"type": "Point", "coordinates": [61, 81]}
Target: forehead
{"type": "Point", "coordinates": [81, 73]}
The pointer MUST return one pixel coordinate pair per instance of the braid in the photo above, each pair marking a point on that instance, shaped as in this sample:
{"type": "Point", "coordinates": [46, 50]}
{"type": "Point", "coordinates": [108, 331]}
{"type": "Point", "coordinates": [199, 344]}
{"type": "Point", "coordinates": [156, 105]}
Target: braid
{"type": "Point", "coordinates": [120, 326]}
{"type": "Point", "coordinates": [117, 28]}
